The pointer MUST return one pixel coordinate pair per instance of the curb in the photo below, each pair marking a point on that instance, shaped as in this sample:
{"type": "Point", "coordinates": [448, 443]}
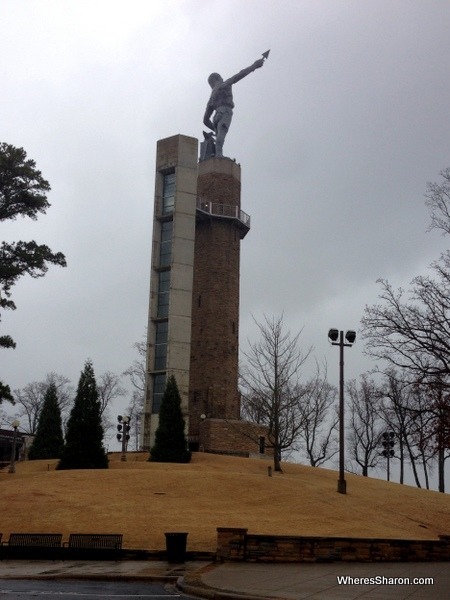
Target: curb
{"type": "Point", "coordinates": [95, 577]}
{"type": "Point", "coordinates": [192, 584]}
{"type": "Point", "coordinates": [204, 591]}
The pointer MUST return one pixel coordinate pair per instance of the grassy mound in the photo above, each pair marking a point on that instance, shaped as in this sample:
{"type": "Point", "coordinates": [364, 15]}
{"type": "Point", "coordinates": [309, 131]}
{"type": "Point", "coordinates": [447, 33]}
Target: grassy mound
{"type": "Point", "coordinates": [143, 500]}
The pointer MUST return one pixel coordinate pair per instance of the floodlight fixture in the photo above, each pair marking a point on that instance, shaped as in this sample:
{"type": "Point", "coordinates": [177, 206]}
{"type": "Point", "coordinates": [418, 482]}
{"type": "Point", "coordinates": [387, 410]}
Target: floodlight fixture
{"type": "Point", "coordinates": [123, 437]}
{"type": "Point", "coordinates": [333, 335]}
{"type": "Point", "coordinates": [350, 336]}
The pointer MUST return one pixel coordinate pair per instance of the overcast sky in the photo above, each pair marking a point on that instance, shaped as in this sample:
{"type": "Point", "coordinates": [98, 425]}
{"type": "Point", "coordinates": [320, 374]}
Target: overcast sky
{"type": "Point", "coordinates": [337, 136]}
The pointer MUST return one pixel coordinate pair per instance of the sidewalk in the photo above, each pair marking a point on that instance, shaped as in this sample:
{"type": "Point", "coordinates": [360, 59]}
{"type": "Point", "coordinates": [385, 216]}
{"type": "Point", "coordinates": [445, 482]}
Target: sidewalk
{"type": "Point", "coordinates": [254, 580]}
{"type": "Point", "coordinates": [318, 581]}
{"type": "Point", "coordinates": [153, 570]}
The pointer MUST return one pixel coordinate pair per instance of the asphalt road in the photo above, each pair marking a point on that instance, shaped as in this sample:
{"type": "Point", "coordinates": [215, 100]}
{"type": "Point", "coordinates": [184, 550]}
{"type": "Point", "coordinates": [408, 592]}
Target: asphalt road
{"type": "Point", "coordinates": [13, 589]}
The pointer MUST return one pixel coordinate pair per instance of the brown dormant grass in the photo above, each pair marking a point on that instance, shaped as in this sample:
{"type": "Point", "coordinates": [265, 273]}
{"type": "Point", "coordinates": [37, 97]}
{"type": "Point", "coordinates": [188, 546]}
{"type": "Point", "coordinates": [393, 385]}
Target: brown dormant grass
{"type": "Point", "coordinates": [143, 500]}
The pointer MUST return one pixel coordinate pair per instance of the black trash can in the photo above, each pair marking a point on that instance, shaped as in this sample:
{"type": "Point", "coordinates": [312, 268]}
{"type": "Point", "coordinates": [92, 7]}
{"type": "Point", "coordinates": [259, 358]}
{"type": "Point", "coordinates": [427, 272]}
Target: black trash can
{"type": "Point", "coordinates": [176, 547]}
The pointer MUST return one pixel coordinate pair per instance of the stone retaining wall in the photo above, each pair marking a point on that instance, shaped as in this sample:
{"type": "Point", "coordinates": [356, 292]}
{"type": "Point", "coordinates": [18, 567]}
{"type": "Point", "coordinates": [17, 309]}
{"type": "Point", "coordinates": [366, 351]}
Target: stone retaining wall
{"type": "Point", "coordinates": [237, 544]}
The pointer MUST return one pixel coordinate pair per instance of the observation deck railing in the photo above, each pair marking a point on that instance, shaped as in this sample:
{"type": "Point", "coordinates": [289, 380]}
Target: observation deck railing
{"type": "Point", "coordinates": [223, 210]}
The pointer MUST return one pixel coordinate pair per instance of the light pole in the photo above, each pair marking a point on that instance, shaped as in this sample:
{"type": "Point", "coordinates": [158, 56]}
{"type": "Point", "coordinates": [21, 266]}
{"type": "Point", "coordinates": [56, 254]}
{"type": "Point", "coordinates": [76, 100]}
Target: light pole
{"type": "Point", "coordinates": [333, 336]}
{"type": "Point", "coordinates": [387, 440]}
{"type": "Point", "coordinates": [124, 436]}
{"type": "Point", "coordinates": [12, 466]}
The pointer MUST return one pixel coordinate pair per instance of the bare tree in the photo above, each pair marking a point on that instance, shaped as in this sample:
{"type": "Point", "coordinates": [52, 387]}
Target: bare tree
{"type": "Point", "coordinates": [137, 375]}
{"type": "Point", "coordinates": [29, 400]}
{"type": "Point", "coordinates": [420, 419]}
{"type": "Point", "coordinates": [137, 372]}
{"type": "Point", "coordinates": [431, 416]}
{"type": "Point", "coordinates": [319, 419]}
{"type": "Point", "coordinates": [438, 201]}
{"type": "Point", "coordinates": [134, 410]}
{"type": "Point", "coordinates": [109, 389]}
{"type": "Point", "coordinates": [419, 415]}
{"type": "Point", "coordinates": [440, 428]}
{"type": "Point", "coordinates": [366, 425]}
{"type": "Point", "coordinates": [411, 330]}
{"type": "Point", "coordinates": [398, 413]}
{"type": "Point", "coordinates": [270, 385]}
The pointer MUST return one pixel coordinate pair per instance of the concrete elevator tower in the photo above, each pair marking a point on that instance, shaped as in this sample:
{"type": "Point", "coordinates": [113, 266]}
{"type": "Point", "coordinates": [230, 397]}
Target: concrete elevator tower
{"type": "Point", "coordinates": [171, 277]}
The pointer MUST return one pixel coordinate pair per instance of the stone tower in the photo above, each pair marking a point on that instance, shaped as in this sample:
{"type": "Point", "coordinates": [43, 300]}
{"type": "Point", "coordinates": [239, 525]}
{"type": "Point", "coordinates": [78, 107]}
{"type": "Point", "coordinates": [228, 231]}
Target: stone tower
{"type": "Point", "coordinates": [220, 226]}
{"type": "Point", "coordinates": [193, 324]}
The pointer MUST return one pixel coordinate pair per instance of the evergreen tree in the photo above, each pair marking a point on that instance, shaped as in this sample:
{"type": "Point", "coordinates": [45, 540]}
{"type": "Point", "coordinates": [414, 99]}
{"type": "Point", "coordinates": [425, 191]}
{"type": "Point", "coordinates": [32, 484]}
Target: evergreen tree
{"type": "Point", "coordinates": [83, 448]}
{"type": "Point", "coordinates": [48, 441]}
{"type": "Point", "coordinates": [170, 440]}
{"type": "Point", "coordinates": [23, 193]}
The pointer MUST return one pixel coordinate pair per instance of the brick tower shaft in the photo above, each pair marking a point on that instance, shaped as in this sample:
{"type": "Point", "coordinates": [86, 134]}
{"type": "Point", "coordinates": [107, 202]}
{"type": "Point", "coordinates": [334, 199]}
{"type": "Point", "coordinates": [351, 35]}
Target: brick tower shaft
{"type": "Point", "coordinates": [220, 226]}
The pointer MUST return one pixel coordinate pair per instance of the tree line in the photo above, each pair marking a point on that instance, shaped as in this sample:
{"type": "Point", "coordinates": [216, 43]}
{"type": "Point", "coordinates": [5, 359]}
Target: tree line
{"type": "Point", "coordinates": [407, 331]}
{"type": "Point", "coordinates": [302, 415]}
{"type": "Point", "coordinates": [50, 410]}
{"type": "Point", "coordinates": [401, 409]}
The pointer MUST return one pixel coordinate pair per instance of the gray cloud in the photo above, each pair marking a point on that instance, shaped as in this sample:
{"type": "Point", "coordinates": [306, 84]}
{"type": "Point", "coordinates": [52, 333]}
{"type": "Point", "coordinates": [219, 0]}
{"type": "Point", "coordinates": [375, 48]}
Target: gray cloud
{"type": "Point", "coordinates": [337, 136]}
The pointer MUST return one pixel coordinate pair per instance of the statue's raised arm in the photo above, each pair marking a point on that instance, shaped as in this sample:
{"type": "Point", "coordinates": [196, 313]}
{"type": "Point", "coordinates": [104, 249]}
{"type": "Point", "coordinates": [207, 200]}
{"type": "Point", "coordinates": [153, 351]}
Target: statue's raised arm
{"type": "Point", "coordinates": [235, 78]}
{"type": "Point", "coordinates": [219, 110]}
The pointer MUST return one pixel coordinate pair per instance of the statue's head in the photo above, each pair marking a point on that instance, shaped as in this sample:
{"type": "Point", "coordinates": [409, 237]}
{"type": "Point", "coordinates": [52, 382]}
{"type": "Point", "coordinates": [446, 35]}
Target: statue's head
{"type": "Point", "coordinates": [214, 79]}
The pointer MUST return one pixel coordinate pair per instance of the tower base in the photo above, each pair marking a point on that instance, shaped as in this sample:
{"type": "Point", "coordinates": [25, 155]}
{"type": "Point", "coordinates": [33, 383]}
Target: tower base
{"type": "Point", "coordinates": [233, 437]}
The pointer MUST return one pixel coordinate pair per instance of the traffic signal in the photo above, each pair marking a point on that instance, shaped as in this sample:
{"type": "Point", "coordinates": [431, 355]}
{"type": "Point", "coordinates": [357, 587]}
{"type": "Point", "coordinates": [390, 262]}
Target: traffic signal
{"type": "Point", "coordinates": [388, 443]}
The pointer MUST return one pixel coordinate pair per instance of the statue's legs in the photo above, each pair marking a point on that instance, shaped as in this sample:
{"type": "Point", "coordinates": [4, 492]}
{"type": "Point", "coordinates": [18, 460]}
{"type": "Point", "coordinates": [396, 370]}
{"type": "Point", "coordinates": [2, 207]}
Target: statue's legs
{"type": "Point", "coordinates": [220, 138]}
{"type": "Point", "coordinates": [222, 120]}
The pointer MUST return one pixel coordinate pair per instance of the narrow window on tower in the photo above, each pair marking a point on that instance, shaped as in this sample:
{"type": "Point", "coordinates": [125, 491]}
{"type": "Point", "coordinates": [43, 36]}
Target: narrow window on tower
{"type": "Point", "coordinates": [168, 200]}
{"type": "Point", "coordinates": [163, 294]}
{"type": "Point", "coordinates": [159, 386]}
{"type": "Point", "coordinates": [165, 252]}
{"type": "Point", "coordinates": [161, 332]}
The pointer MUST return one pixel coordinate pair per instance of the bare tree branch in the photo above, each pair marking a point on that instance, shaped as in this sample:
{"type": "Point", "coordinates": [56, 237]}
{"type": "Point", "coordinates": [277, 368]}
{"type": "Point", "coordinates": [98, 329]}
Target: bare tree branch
{"type": "Point", "coordinates": [438, 201]}
{"type": "Point", "coordinates": [29, 400]}
{"type": "Point", "coordinates": [270, 384]}
{"type": "Point", "coordinates": [365, 422]}
{"type": "Point", "coordinates": [319, 418]}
